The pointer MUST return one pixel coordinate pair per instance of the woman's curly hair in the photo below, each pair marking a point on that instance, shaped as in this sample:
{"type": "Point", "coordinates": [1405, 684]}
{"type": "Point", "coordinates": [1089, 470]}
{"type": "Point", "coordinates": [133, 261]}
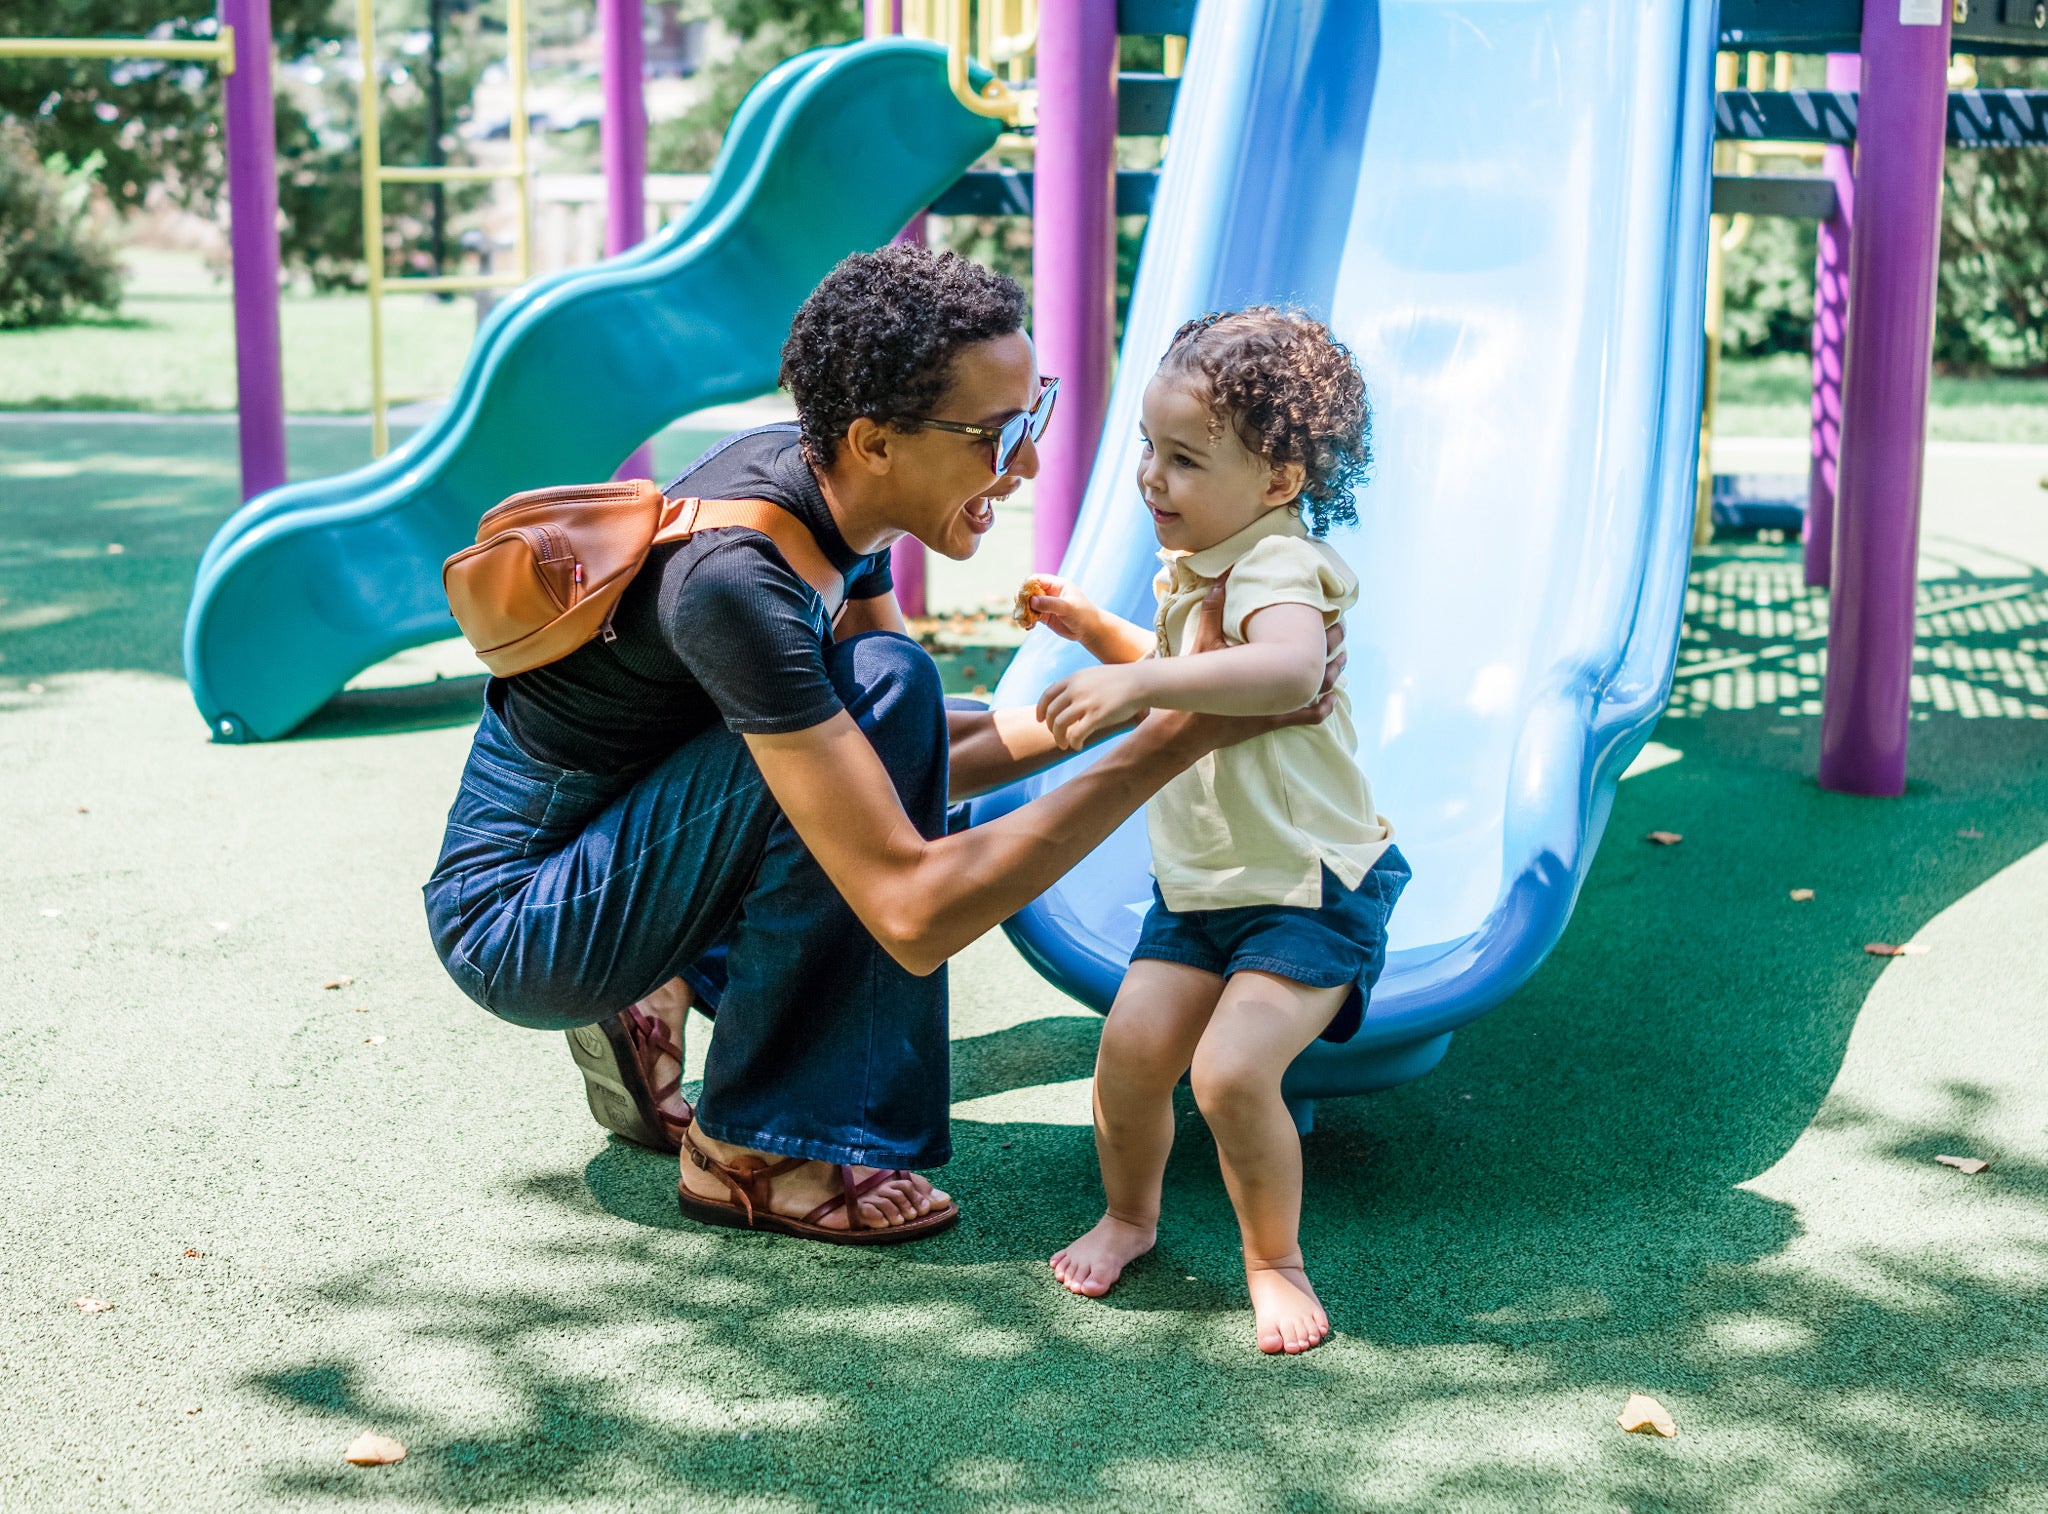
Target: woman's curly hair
{"type": "Point", "coordinates": [1293, 394]}
{"type": "Point", "coordinates": [878, 336]}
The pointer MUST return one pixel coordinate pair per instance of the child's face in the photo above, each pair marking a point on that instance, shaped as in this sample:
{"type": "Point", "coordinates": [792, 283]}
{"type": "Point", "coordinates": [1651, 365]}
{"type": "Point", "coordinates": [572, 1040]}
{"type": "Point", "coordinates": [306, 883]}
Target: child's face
{"type": "Point", "coordinates": [1199, 480]}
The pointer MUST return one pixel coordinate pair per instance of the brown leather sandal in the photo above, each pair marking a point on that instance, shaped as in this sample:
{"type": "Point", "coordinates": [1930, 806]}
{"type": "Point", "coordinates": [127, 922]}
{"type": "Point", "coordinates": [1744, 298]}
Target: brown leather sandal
{"type": "Point", "coordinates": [750, 1181]}
{"type": "Point", "coordinates": [616, 1056]}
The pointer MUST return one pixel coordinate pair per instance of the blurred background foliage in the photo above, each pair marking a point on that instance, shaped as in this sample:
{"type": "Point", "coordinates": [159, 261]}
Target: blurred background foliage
{"type": "Point", "coordinates": [119, 138]}
{"type": "Point", "coordinates": [1991, 310]}
{"type": "Point", "coordinates": [57, 257]}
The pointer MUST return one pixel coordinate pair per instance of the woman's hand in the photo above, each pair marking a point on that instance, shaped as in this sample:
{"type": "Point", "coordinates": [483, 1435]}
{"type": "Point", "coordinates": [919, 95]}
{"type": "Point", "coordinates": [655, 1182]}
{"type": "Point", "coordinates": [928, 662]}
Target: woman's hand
{"type": "Point", "coordinates": [1093, 702]}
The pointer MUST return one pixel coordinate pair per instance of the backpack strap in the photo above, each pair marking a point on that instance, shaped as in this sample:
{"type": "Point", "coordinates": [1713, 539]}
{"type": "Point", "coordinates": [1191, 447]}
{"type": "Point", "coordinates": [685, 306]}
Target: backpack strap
{"type": "Point", "coordinates": [684, 518]}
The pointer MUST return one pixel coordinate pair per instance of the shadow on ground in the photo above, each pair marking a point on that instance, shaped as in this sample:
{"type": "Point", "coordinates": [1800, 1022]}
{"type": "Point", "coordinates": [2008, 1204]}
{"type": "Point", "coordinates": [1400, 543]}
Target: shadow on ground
{"type": "Point", "coordinates": [1553, 1218]}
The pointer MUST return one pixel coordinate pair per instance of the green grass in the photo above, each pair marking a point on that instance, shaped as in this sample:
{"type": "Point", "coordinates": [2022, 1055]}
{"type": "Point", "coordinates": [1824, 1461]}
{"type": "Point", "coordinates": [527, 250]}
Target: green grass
{"type": "Point", "coordinates": [172, 349]}
{"type": "Point", "coordinates": [1771, 397]}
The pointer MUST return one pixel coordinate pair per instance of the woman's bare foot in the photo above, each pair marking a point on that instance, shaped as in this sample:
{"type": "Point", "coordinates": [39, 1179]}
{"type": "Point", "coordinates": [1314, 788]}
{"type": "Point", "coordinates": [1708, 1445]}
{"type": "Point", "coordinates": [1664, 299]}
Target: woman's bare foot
{"type": "Point", "coordinates": [1091, 1265]}
{"type": "Point", "coordinates": [1290, 1316]}
{"type": "Point", "coordinates": [797, 1192]}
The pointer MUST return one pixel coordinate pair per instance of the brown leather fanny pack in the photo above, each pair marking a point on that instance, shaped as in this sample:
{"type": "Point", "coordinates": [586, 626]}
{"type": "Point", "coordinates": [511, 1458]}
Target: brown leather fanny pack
{"type": "Point", "coordinates": [549, 565]}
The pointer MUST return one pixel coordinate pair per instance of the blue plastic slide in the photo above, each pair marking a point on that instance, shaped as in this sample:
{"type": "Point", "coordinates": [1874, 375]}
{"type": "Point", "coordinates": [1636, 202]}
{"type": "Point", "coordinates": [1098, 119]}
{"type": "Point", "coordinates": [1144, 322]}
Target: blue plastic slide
{"type": "Point", "coordinates": [308, 585]}
{"type": "Point", "coordinates": [1501, 205]}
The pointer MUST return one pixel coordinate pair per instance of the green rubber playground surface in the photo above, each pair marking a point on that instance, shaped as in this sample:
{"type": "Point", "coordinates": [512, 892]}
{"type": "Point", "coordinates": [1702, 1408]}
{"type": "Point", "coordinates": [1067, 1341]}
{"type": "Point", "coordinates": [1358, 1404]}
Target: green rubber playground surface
{"type": "Point", "coordinates": [1694, 1158]}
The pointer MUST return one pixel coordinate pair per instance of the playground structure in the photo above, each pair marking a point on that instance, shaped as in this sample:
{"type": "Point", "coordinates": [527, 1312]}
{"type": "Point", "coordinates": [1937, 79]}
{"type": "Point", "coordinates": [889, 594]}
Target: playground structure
{"type": "Point", "coordinates": [240, 48]}
{"type": "Point", "coordinates": [377, 173]}
{"type": "Point", "coordinates": [1530, 547]}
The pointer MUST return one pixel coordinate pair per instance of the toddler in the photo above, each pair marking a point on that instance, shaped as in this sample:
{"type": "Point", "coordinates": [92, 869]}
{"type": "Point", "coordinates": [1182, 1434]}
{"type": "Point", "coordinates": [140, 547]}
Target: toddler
{"type": "Point", "coordinates": [1273, 874]}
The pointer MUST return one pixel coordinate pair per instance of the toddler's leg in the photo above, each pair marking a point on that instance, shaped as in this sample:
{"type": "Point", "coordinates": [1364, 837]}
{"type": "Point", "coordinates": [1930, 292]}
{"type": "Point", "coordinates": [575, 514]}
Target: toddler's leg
{"type": "Point", "coordinates": [1261, 1024]}
{"type": "Point", "coordinates": [1147, 1044]}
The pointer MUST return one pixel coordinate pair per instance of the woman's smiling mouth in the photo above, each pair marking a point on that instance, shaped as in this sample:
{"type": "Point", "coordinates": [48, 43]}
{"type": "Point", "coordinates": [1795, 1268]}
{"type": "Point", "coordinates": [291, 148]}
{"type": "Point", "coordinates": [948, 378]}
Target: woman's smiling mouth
{"type": "Point", "coordinates": [981, 510]}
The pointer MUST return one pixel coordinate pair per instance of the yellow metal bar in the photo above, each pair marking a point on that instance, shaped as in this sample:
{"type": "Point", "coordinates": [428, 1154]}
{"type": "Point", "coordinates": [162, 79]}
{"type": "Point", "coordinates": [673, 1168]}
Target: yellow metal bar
{"type": "Point", "coordinates": [219, 51]}
{"type": "Point", "coordinates": [997, 100]}
{"type": "Point", "coordinates": [1176, 57]}
{"type": "Point", "coordinates": [450, 283]}
{"type": "Point", "coordinates": [1015, 37]}
{"type": "Point", "coordinates": [881, 19]}
{"type": "Point", "coordinates": [515, 37]}
{"type": "Point", "coordinates": [373, 220]}
{"type": "Point", "coordinates": [423, 174]}
{"type": "Point", "coordinates": [1703, 503]}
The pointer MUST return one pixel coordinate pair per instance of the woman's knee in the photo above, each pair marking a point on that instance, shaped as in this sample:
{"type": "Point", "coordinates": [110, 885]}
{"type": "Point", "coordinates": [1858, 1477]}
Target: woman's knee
{"type": "Point", "coordinates": [890, 686]}
{"type": "Point", "coordinates": [883, 676]}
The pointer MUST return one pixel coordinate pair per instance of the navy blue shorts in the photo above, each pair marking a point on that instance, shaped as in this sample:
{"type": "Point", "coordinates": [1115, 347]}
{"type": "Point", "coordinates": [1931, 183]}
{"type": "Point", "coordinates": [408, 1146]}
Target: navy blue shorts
{"type": "Point", "coordinates": [1344, 940]}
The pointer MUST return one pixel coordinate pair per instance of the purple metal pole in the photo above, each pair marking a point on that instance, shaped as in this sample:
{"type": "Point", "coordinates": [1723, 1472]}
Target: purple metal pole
{"type": "Point", "coordinates": [907, 559]}
{"type": "Point", "coordinates": [1902, 124]}
{"type": "Point", "coordinates": [622, 140]}
{"type": "Point", "coordinates": [1073, 253]}
{"type": "Point", "coordinates": [250, 127]}
{"type": "Point", "coordinates": [1830, 325]}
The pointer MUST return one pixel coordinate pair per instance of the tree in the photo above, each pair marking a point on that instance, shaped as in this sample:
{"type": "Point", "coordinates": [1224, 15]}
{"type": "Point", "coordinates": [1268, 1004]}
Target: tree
{"type": "Point", "coordinates": [156, 127]}
{"type": "Point", "coordinates": [1992, 303]}
{"type": "Point", "coordinates": [151, 123]}
{"type": "Point", "coordinates": [768, 31]}
{"type": "Point", "coordinates": [55, 259]}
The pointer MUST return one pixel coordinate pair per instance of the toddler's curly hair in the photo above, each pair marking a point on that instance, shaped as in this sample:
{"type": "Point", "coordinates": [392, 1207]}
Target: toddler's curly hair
{"type": "Point", "coordinates": [1292, 392]}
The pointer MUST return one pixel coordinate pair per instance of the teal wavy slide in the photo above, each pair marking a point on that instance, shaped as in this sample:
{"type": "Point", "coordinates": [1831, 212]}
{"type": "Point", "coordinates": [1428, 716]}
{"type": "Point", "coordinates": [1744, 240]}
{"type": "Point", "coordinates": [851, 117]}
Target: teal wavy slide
{"type": "Point", "coordinates": [307, 585]}
{"type": "Point", "coordinates": [1501, 206]}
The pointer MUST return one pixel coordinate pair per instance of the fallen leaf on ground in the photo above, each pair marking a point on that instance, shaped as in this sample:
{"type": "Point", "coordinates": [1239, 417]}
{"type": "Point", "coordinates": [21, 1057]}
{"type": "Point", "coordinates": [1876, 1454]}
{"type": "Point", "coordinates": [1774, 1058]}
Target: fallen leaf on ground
{"type": "Point", "coordinates": [1664, 838]}
{"type": "Point", "coordinates": [1886, 949]}
{"type": "Point", "coordinates": [368, 1450]}
{"type": "Point", "coordinates": [83, 810]}
{"type": "Point", "coordinates": [1801, 895]}
{"type": "Point", "coordinates": [1970, 833]}
{"type": "Point", "coordinates": [342, 982]}
{"type": "Point", "coordinates": [191, 1408]}
{"type": "Point", "coordinates": [35, 688]}
{"type": "Point", "coordinates": [189, 1251]}
{"type": "Point", "coordinates": [51, 914]}
{"type": "Point", "coordinates": [373, 1040]}
{"type": "Point", "coordinates": [218, 924]}
{"type": "Point", "coordinates": [1971, 1165]}
{"type": "Point", "coordinates": [1643, 1415]}
{"type": "Point", "coordinates": [115, 549]}
{"type": "Point", "coordinates": [92, 1305]}
{"type": "Point", "coordinates": [360, 1009]}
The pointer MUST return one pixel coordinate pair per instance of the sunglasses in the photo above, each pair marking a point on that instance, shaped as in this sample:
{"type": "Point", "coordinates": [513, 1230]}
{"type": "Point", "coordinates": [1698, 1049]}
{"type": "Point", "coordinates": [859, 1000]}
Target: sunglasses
{"type": "Point", "coordinates": [1004, 440]}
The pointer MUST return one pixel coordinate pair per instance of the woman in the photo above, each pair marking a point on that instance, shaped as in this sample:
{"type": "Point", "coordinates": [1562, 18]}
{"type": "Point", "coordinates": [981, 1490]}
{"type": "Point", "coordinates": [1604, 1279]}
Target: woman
{"type": "Point", "coordinates": [737, 801]}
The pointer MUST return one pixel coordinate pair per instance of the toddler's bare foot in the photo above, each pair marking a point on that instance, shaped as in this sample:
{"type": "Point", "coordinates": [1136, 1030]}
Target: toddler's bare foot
{"type": "Point", "coordinates": [1091, 1265]}
{"type": "Point", "coordinates": [1290, 1316]}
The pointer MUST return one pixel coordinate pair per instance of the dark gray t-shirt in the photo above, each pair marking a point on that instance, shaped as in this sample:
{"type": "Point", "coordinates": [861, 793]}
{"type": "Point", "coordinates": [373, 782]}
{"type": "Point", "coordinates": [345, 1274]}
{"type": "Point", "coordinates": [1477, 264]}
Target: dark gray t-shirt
{"type": "Point", "coordinates": [717, 628]}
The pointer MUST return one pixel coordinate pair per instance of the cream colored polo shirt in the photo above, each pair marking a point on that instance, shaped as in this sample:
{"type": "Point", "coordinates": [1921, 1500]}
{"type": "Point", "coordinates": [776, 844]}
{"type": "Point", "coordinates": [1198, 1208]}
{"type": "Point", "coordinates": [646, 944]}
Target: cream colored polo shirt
{"type": "Point", "coordinates": [1256, 823]}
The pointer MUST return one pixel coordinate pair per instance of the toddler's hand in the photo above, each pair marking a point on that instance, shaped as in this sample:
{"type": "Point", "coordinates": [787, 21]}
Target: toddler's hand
{"type": "Point", "coordinates": [1091, 703]}
{"type": "Point", "coordinates": [1058, 605]}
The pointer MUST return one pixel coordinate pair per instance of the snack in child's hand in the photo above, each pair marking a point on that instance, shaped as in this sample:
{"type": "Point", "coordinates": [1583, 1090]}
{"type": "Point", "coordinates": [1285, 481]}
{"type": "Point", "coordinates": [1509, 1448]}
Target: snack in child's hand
{"type": "Point", "coordinates": [1023, 614]}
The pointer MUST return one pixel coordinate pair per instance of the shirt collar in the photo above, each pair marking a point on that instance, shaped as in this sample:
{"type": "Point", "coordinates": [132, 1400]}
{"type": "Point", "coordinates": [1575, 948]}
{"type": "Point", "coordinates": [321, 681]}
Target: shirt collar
{"type": "Point", "coordinates": [806, 501]}
{"type": "Point", "coordinates": [1213, 562]}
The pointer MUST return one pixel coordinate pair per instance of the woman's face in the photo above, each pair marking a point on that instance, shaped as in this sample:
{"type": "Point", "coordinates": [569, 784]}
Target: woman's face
{"type": "Point", "coordinates": [944, 484]}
